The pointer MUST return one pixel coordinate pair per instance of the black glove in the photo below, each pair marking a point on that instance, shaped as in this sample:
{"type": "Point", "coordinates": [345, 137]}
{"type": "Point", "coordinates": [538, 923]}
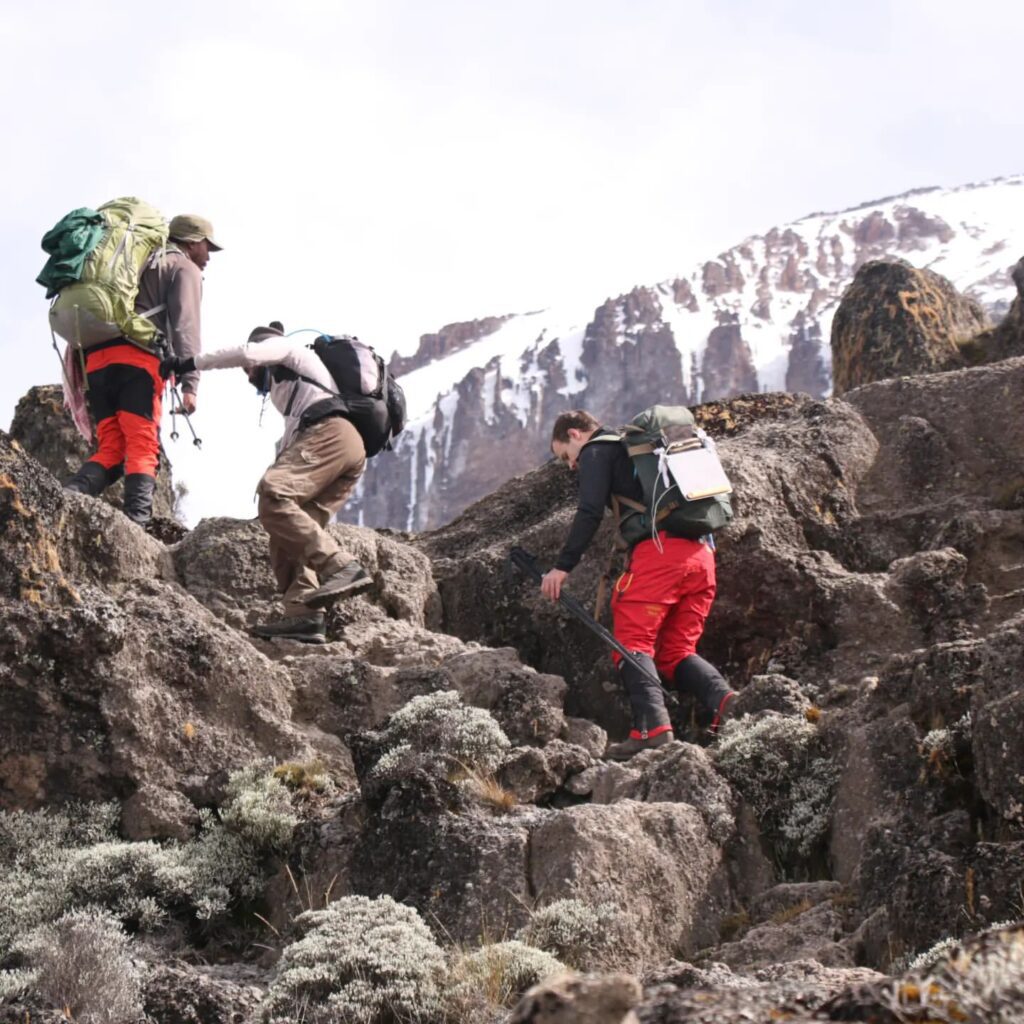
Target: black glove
{"type": "Point", "coordinates": [177, 366]}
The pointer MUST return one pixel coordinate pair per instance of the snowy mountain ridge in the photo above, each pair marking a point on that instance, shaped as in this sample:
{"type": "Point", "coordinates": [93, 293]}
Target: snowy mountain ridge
{"type": "Point", "coordinates": [755, 318]}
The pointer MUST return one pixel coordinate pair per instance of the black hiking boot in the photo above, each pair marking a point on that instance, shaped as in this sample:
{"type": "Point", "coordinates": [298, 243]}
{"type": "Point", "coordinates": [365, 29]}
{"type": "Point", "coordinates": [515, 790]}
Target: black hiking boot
{"type": "Point", "coordinates": [307, 629]}
{"type": "Point", "coordinates": [637, 743]}
{"type": "Point", "coordinates": [138, 497]}
{"type": "Point", "coordinates": [346, 581]}
{"type": "Point", "coordinates": [91, 479]}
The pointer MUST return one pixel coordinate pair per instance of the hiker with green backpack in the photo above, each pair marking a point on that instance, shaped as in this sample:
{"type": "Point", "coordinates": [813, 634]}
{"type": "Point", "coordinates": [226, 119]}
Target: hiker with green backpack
{"type": "Point", "coordinates": [660, 476]}
{"type": "Point", "coordinates": [127, 289]}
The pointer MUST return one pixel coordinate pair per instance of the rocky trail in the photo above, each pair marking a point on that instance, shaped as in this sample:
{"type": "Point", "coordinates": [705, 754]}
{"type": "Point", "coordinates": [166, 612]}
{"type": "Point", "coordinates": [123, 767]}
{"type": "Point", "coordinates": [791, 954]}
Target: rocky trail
{"type": "Point", "coordinates": [413, 822]}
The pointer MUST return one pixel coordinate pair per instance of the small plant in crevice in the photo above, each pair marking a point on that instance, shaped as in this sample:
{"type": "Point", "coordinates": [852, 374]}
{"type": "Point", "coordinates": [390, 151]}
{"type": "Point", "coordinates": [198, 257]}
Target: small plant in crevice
{"type": "Point", "coordinates": [436, 732]}
{"type": "Point", "coordinates": [361, 960]}
{"type": "Point", "coordinates": [82, 963]}
{"type": "Point", "coordinates": [775, 762]}
{"type": "Point", "coordinates": [579, 934]}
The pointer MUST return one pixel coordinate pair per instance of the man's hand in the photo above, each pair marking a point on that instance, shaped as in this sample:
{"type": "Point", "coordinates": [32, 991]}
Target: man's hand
{"type": "Point", "coordinates": [551, 584]}
{"type": "Point", "coordinates": [188, 403]}
{"type": "Point", "coordinates": [177, 366]}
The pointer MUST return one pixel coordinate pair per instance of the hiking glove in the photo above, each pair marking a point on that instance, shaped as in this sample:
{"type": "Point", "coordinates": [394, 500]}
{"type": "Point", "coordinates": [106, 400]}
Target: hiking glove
{"type": "Point", "coordinates": [177, 366]}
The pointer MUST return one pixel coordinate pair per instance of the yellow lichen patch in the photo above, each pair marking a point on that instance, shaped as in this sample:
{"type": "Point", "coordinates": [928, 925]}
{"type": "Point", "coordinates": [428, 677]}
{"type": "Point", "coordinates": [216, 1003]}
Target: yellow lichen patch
{"type": "Point", "coordinates": [7, 484]}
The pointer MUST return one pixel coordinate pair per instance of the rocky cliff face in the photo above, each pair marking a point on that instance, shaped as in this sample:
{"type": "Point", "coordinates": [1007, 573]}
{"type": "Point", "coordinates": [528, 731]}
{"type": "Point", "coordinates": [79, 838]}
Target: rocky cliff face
{"type": "Point", "coordinates": [444, 750]}
{"type": "Point", "coordinates": [756, 318]}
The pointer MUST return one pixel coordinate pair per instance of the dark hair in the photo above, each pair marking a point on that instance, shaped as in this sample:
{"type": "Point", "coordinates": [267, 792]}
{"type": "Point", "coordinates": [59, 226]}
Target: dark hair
{"type": "Point", "coordinates": [578, 419]}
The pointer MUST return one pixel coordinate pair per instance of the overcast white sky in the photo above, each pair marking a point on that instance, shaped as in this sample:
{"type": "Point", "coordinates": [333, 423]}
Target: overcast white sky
{"type": "Point", "coordinates": [383, 168]}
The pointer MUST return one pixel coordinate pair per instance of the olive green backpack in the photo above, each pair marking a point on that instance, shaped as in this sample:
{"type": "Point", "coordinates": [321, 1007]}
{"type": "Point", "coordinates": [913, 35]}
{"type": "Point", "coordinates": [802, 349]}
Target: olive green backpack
{"type": "Point", "coordinates": [96, 260]}
{"type": "Point", "coordinates": [685, 490]}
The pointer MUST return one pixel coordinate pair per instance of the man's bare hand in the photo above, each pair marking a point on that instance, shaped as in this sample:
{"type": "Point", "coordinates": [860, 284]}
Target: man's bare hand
{"type": "Point", "coordinates": [188, 403]}
{"type": "Point", "coordinates": [551, 584]}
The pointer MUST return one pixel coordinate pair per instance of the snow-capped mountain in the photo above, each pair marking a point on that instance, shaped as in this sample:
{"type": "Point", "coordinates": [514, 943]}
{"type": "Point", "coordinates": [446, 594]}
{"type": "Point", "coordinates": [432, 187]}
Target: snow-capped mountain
{"type": "Point", "coordinates": [757, 317]}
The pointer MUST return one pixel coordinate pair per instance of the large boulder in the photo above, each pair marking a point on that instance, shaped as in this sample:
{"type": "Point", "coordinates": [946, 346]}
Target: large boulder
{"type": "Point", "coordinates": [895, 320]}
{"type": "Point", "coordinates": [116, 683]}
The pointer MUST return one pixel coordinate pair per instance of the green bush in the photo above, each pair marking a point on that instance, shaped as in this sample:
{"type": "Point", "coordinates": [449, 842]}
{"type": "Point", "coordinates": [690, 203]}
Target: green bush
{"type": "Point", "coordinates": [575, 932]}
{"type": "Point", "coordinates": [56, 862]}
{"type": "Point", "coordinates": [360, 961]}
{"type": "Point", "coordinates": [81, 963]}
{"type": "Point", "coordinates": [259, 807]}
{"type": "Point", "coordinates": [772, 761]}
{"type": "Point", "coordinates": [481, 983]}
{"type": "Point", "coordinates": [437, 731]}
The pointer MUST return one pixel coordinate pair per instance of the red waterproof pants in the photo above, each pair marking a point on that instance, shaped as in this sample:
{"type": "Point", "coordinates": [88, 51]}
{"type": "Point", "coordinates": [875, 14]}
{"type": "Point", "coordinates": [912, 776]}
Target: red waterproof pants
{"type": "Point", "coordinates": [125, 396]}
{"type": "Point", "coordinates": [661, 601]}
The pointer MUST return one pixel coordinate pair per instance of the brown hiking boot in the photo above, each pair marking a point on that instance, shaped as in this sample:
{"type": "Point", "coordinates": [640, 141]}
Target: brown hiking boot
{"type": "Point", "coordinates": [307, 629]}
{"type": "Point", "coordinates": [637, 743]}
{"type": "Point", "coordinates": [346, 581]}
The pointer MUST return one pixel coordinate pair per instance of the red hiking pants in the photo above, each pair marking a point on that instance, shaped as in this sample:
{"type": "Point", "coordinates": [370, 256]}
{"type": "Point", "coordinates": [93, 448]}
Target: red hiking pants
{"type": "Point", "coordinates": [125, 396]}
{"type": "Point", "coordinates": [661, 601]}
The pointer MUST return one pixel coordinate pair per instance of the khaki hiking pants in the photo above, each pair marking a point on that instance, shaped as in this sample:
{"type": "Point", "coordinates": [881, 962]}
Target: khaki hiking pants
{"type": "Point", "coordinates": [298, 495]}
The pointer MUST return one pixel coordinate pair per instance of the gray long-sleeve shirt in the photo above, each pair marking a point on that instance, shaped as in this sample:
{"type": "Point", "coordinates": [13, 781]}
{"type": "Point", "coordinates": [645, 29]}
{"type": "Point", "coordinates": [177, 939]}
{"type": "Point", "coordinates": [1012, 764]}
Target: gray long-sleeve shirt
{"type": "Point", "coordinates": [291, 398]}
{"type": "Point", "coordinates": [175, 282]}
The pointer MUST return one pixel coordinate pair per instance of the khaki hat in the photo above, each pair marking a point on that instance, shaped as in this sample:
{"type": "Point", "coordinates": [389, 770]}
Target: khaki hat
{"type": "Point", "coordinates": [275, 330]}
{"type": "Point", "coordinates": [189, 227]}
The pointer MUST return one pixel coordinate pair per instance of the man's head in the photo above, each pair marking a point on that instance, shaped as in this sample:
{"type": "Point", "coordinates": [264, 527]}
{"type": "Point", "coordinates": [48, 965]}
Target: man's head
{"type": "Point", "coordinates": [194, 236]}
{"type": "Point", "coordinates": [572, 430]}
{"type": "Point", "coordinates": [259, 376]}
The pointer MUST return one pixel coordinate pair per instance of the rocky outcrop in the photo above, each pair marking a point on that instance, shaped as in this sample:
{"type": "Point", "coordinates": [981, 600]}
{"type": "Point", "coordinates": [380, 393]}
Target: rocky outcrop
{"type": "Point", "coordinates": [451, 338]}
{"type": "Point", "coordinates": [896, 320]}
{"type": "Point", "coordinates": [863, 803]}
{"type": "Point", "coordinates": [728, 369]}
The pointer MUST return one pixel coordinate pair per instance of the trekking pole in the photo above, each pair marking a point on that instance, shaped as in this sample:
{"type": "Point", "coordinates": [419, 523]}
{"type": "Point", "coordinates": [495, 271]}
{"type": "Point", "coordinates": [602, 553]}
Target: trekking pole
{"type": "Point", "coordinates": [176, 400]}
{"type": "Point", "coordinates": [527, 564]}
{"type": "Point", "coordinates": [174, 417]}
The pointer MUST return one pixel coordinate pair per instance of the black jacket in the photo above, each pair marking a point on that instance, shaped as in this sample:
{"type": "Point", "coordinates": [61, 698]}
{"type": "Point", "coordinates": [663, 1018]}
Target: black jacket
{"type": "Point", "coordinates": [604, 469]}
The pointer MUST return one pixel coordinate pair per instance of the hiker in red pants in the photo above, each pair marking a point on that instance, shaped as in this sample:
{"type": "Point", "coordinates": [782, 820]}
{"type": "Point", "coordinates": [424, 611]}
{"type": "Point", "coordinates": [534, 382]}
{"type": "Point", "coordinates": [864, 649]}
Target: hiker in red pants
{"type": "Point", "coordinates": [661, 601]}
{"type": "Point", "coordinates": [125, 389]}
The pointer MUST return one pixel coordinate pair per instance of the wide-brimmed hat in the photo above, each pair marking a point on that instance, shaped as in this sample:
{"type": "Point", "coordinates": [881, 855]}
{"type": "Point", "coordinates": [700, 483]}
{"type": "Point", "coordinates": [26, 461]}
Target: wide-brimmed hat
{"type": "Point", "coordinates": [189, 227]}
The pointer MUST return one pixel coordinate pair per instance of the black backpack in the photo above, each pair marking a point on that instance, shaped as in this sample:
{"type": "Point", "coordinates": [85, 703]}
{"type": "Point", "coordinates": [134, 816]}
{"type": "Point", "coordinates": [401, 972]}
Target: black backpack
{"type": "Point", "coordinates": [370, 397]}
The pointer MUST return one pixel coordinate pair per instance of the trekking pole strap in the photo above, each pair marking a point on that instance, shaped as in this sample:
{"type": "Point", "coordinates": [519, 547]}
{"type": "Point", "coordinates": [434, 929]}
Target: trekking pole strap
{"type": "Point", "coordinates": [527, 563]}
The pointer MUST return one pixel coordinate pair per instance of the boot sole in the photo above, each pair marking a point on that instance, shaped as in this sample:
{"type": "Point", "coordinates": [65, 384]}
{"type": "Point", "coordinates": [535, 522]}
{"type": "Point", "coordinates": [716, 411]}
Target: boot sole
{"type": "Point", "coordinates": [302, 638]}
{"type": "Point", "coordinates": [321, 600]}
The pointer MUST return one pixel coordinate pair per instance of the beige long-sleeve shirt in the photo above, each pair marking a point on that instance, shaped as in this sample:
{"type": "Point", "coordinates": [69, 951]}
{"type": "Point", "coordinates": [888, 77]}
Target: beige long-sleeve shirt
{"type": "Point", "coordinates": [175, 282]}
{"type": "Point", "coordinates": [292, 397]}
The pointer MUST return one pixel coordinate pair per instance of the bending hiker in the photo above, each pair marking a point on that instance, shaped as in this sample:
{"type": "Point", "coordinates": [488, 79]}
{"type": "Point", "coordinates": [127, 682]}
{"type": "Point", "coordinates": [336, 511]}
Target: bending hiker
{"type": "Point", "coordinates": [125, 389]}
{"type": "Point", "coordinates": [329, 433]}
{"type": "Point", "coordinates": [661, 601]}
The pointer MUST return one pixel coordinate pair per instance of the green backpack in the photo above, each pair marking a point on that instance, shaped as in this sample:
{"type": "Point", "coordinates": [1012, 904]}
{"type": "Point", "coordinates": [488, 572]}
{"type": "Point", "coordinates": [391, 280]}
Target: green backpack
{"type": "Point", "coordinates": [96, 260]}
{"type": "Point", "coordinates": [685, 490]}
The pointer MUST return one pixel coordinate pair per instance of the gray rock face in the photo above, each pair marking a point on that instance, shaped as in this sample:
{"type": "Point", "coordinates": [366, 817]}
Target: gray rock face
{"type": "Point", "coordinates": [863, 803]}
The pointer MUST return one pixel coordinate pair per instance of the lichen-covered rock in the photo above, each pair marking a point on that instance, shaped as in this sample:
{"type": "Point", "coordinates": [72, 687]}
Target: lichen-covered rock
{"type": "Point", "coordinates": [225, 563]}
{"type": "Point", "coordinates": [640, 858]}
{"type": "Point", "coordinates": [536, 773]}
{"type": "Point", "coordinates": [180, 993]}
{"type": "Point", "coordinates": [896, 320]}
{"type": "Point", "coordinates": [580, 999]}
{"type": "Point", "coordinates": [111, 696]}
